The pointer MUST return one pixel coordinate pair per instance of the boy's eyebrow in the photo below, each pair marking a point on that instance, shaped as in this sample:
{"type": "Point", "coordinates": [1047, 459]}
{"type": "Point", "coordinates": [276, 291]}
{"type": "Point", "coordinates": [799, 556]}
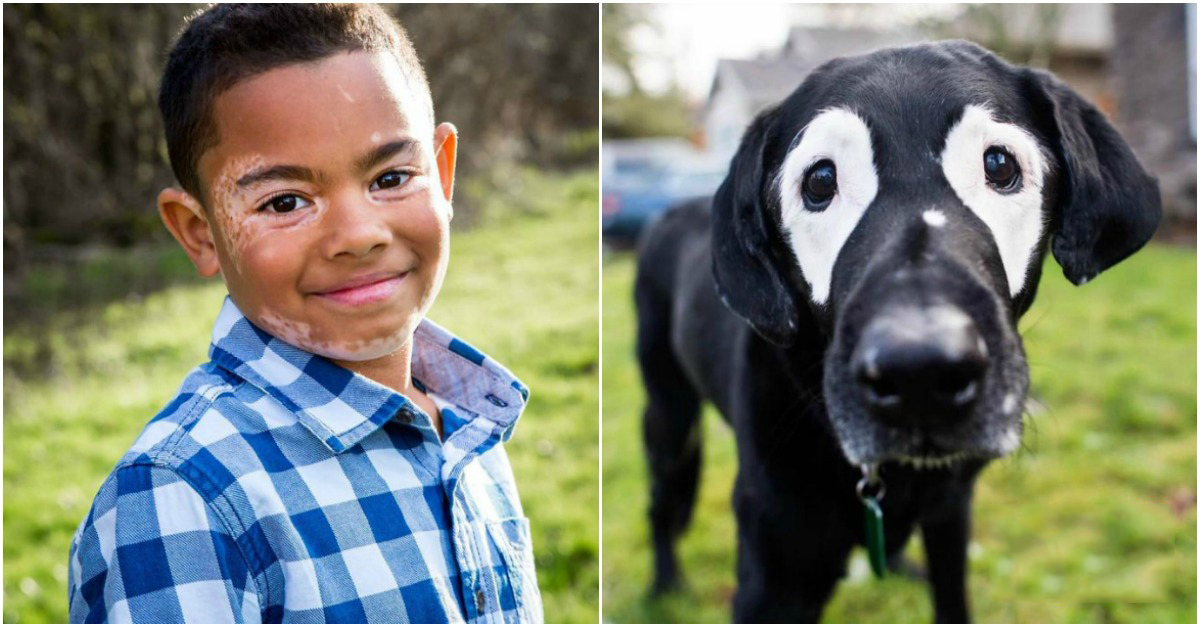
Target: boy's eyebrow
{"type": "Point", "coordinates": [382, 153]}
{"type": "Point", "coordinates": [277, 173]}
{"type": "Point", "coordinates": [377, 155]}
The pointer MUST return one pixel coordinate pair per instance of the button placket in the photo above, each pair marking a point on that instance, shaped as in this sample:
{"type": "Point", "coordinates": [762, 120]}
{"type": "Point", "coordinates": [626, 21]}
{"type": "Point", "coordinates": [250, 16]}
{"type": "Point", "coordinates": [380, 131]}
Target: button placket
{"type": "Point", "coordinates": [464, 569]}
{"type": "Point", "coordinates": [469, 559]}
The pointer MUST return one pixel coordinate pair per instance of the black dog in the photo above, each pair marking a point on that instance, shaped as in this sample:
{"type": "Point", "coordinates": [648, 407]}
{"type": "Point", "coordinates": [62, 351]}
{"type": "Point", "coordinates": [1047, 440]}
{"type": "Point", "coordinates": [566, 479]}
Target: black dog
{"type": "Point", "coordinates": [878, 235]}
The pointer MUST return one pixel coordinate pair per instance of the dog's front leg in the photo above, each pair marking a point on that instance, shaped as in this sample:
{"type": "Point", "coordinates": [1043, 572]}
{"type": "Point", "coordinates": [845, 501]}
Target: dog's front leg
{"type": "Point", "coordinates": [946, 532]}
{"type": "Point", "coordinates": [788, 561]}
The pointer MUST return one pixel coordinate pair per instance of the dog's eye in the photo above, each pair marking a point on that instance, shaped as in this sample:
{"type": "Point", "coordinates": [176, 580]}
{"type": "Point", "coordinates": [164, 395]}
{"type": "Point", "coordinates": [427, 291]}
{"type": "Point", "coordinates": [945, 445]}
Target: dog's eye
{"type": "Point", "coordinates": [1001, 169]}
{"type": "Point", "coordinates": [820, 185]}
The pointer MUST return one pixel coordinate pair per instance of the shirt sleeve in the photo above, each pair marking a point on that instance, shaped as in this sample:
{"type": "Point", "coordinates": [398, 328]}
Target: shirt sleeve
{"type": "Point", "coordinates": [153, 551]}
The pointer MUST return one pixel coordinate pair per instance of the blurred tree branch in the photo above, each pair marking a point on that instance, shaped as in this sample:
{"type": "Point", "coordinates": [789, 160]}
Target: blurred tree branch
{"type": "Point", "coordinates": [634, 112]}
{"type": "Point", "coordinates": [619, 20]}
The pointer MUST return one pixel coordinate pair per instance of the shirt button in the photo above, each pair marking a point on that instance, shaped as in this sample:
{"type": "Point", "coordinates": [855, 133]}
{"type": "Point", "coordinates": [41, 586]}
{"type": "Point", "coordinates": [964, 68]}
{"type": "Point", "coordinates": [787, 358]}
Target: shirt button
{"type": "Point", "coordinates": [405, 416]}
{"type": "Point", "coordinates": [479, 600]}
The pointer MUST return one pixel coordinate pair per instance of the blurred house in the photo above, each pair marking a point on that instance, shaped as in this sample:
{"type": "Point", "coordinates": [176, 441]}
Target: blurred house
{"type": "Point", "coordinates": [744, 87]}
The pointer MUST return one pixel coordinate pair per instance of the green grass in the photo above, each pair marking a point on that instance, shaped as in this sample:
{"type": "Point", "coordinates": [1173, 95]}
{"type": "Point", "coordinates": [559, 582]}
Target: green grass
{"type": "Point", "coordinates": [1094, 520]}
{"type": "Point", "coordinates": [522, 287]}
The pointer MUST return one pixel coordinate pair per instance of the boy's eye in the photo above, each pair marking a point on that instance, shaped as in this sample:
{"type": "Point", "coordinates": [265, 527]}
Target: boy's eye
{"type": "Point", "coordinates": [286, 203]}
{"type": "Point", "coordinates": [390, 179]}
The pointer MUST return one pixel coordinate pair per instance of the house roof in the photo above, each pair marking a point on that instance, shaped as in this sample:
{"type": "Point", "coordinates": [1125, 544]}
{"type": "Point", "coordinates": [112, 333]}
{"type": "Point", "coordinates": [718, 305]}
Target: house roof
{"type": "Point", "coordinates": [762, 81]}
{"type": "Point", "coordinates": [767, 80]}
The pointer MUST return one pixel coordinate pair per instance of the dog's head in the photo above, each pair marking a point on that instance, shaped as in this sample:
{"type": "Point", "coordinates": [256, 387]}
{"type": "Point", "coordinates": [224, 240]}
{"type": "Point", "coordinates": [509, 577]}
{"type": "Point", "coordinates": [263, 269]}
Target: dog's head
{"type": "Point", "coordinates": [901, 203]}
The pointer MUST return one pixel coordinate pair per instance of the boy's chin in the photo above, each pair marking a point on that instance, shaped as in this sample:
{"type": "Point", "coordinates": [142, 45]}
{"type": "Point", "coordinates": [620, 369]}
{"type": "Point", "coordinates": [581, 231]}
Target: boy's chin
{"type": "Point", "coordinates": [352, 348]}
{"type": "Point", "coordinates": [366, 350]}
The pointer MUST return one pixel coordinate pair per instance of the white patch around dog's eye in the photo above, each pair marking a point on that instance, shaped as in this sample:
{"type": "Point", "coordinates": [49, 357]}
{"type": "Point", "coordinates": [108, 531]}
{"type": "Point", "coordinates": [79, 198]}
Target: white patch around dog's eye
{"type": "Point", "coordinates": [1014, 216]}
{"type": "Point", "coordinates": [840, 136]}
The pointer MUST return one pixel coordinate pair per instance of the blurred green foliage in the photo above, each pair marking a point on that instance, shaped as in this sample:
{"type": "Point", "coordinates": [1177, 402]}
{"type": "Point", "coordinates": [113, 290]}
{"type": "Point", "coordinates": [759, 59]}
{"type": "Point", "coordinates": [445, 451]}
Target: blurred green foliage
{"type": "Point", "coordinates": [640, 114]}
{"type": "Point", "coordinates": [79, 386]}
{"type": "Point", "coordinates": [1094, 520]}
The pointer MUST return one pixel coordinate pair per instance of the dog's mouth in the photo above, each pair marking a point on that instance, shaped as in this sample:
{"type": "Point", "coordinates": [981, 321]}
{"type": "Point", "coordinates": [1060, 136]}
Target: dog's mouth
{"type": "Point", "coordinates": [930, 462]}
{"type": "Point", "coordinates": [920, 450]}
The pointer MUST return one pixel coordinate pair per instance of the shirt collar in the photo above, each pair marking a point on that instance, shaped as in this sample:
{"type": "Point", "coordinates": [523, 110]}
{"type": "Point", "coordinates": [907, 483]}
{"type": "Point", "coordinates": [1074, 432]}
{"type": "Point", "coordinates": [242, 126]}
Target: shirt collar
{"type": "Point", "coordinates": [341, 407]}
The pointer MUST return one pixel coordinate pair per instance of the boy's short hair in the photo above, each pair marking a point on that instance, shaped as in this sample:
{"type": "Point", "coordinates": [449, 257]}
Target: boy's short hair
{"type": "Point", "coordinates": [227, 43]}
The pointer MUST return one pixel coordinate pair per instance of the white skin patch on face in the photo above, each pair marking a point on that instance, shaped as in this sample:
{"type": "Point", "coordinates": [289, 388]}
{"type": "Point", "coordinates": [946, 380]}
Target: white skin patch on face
{"type": "Point", "coordinates": [934, 218]}
{"type": "Point", "coordinates": [235, 209]}
{"type": "Point", "coordinates": [1015, 218]}
{"type": "Point", "coordinates": [302, 335]}
{"type": "Point", "coordinates": [816, 237]}
{"type": "Point", "coordinates": [226, 197]}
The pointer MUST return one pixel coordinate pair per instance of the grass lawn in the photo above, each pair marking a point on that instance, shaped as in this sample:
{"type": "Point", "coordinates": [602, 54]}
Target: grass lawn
{"type": "Point", "coordinates": [1094, 520]}
{"type": "Point", "coordinates": [522, 287]}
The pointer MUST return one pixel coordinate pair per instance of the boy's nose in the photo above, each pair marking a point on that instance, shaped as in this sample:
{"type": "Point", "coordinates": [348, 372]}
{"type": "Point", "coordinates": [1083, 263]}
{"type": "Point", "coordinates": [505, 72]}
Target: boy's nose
{"type": "Point", "coordinates": [356, 228]}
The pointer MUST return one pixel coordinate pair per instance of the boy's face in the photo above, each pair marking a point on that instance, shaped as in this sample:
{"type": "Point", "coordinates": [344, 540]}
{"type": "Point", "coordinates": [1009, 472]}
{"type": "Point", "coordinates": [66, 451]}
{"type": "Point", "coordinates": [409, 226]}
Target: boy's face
{"type": "Point", "coordinates": [328, 196]}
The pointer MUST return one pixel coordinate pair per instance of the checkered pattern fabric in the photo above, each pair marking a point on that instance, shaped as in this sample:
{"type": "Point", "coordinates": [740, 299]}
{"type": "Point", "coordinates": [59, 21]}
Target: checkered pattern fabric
{"type": "Point", "coordinates": [280, 487]}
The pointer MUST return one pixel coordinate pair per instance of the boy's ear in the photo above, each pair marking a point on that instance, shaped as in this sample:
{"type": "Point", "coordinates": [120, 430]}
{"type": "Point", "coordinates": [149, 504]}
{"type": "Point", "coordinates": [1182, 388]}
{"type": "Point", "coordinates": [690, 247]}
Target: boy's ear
{"type": "Point", "coordinates": [445, 147]}
{"type": "Point", "coordinates": [187, 222]}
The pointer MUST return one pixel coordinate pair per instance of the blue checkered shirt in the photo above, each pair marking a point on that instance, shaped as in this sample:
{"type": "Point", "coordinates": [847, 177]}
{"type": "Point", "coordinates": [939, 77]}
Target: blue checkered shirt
{"type": "Point", "coordinates": [280, 487]}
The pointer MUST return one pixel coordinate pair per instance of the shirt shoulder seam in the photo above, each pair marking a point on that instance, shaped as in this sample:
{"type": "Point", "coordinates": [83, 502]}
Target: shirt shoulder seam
{"type": "Point", "coordinates": [172, 465]}
{"type": "Point", "coordinates": [200, 402]}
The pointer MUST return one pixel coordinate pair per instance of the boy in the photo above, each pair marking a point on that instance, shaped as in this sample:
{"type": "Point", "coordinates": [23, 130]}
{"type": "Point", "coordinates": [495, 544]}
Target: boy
{"type": "Point", "coordinates": [339, 459]}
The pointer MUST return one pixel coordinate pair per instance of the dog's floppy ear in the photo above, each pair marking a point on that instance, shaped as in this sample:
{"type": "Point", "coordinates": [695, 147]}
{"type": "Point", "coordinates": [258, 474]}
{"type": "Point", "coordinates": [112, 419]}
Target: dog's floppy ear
{"type": "Point", "coordinates": [1108, 205]}
{"type": "Point", "coordinates": [744, 265]}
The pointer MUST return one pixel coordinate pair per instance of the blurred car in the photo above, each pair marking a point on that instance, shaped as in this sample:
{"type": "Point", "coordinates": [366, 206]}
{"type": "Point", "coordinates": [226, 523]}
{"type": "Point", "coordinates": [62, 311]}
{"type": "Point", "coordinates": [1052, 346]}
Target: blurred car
{"type": "Point", "coordinates": [637, 190]}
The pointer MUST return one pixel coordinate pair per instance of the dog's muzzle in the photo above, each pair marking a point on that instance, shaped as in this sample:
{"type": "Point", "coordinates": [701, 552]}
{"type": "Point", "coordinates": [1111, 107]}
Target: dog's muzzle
{"type": "Point", "coordinates": [924, 366]}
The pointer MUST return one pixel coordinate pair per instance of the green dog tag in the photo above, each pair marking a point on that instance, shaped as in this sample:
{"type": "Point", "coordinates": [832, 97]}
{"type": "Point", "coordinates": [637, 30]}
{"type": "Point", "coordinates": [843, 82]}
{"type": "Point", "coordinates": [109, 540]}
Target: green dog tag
{"type": "Point", "coordinates": [875, 550]}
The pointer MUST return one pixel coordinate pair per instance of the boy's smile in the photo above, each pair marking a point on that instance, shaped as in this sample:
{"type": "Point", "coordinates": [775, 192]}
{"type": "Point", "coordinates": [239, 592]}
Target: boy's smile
{"type": "Point", "coordinates": [328, 204]}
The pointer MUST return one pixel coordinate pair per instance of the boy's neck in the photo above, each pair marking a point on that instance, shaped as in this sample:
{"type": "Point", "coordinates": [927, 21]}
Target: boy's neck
{"type": "Point", "coordinates": [395, 371]}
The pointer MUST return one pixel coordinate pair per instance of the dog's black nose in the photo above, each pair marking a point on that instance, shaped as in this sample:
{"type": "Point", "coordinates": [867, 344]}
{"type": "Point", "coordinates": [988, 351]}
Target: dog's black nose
{"type": "Point", "coordinates": [920, 365]}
